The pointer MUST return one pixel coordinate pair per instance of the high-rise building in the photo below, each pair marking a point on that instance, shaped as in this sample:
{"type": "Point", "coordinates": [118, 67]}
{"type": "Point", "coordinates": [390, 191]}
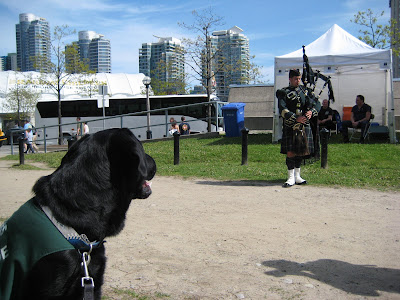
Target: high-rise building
{"type": "Point", "coordinates": [32, 39]}
{"type": "Point", "coordinates": [8, 62]}
{"type": "Point", "coordinates": [3, 62]}
{"type": "Point", "coordinates": [11, 62]}
{"type": "Point", "coordinates": [231, 57]}
{"type": "Point", "coordinates": [94, 50]}
{"type": "Point", "coordinates": [395, 12]}
{"type": "Point", "coordinates": [163, 60]}
{"type": "Point", "coordinates": [100, 55]}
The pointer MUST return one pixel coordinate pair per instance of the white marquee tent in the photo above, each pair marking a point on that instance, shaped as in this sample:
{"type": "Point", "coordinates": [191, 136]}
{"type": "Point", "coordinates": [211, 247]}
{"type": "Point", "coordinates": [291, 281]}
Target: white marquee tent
{"type": "Point", "coordinates": [120, 85]}
{"type": "Point", "coordinates": [355, 68]}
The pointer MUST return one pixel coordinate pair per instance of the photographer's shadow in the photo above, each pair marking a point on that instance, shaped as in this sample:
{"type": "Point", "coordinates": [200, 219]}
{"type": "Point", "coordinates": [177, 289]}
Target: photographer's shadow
{"type": "Point", "coordinates": [364, 280]}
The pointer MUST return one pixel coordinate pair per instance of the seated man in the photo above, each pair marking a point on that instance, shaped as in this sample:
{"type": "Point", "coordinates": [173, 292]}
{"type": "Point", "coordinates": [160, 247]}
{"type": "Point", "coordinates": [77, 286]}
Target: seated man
{"type": "Point", "coordinates": [325, 116]}
{"type": "Point", "coordinates": [360, 116]}
{"type": "Point", "coordinates": [184, 127]}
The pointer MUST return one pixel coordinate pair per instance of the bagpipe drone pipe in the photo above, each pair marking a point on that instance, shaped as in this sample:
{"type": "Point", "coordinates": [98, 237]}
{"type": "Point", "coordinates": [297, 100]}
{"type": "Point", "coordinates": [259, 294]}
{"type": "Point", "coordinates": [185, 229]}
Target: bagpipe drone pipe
{"type": "Point", "coordinates": [310, 79]}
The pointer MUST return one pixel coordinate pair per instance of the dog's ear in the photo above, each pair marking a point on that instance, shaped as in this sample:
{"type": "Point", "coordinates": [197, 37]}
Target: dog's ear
{"type": "Point", "coordinates": [84, 168]}
{"type": "Point", "coordinates": [128, 161]}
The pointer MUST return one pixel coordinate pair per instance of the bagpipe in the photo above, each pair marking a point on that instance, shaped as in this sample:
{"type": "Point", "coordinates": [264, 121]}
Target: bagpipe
{"type": "Point", "coordinates": [310, 78]}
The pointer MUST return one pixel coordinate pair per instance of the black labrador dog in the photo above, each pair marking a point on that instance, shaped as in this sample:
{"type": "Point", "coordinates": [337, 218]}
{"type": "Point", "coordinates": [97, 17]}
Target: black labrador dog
{"type": "Point", "coordinates": [53, 246]}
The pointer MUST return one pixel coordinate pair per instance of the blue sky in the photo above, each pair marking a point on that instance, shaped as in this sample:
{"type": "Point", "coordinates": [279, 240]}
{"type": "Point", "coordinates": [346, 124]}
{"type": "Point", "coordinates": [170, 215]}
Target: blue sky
{"type": "Point", "coordinates": [273, 27]}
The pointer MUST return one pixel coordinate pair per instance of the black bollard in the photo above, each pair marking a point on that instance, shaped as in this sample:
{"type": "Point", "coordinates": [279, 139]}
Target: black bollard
{"type": "Point", "coordinates": [245, 133]}
{"type": "Point", "coordinates": [176, 148]}
{"type": "Point", "coordinates": [324, 134]}
{"type": "Point", "coordinates": [71, 141]}
{"type": "Point", "coordinates": [21, 143]}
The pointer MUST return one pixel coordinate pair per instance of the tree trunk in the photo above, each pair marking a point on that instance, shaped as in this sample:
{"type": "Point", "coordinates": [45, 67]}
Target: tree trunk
{"type": "Point", "coordinates": [60, 134]}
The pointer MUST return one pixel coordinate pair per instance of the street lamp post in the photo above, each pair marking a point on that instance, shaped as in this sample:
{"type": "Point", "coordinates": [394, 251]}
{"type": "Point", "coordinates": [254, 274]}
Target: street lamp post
{"type": "Point", "coordinates": [146, 82]}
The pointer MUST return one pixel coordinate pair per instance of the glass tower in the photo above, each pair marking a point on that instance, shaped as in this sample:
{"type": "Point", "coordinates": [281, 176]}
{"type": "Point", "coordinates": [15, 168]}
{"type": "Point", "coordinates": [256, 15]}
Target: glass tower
{"type": "Point", "coordinates": [163, 60]}
{"type": "Point", "coordinates": [32, 39]}
{"type": "Point", "coordinates": [231, 58]}
{"type": "Point", "coordinates": [94, 50]}
{"type": "Point", "coordinates": [100, 55]}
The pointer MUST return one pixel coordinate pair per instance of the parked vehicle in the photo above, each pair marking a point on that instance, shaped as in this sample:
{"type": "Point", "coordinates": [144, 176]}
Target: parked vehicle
{"type": "Point", "coordinates": [3, 138]}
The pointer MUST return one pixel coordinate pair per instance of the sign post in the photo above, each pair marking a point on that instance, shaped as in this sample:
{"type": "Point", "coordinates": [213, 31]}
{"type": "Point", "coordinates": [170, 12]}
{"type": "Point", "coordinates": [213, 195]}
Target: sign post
{"type": "Point", "coordinates": [103, 101]}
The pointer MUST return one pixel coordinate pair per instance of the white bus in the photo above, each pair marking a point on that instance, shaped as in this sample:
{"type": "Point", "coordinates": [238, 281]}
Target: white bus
{"type": "Point", "coordinates": [125, 112]}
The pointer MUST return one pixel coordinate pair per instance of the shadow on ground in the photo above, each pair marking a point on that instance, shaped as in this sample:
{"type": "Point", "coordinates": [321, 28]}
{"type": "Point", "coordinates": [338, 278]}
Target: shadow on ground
{"type": "Point", "coordinates": [366, 280]}
{"type": "Point", "coordinates": [277, 183]}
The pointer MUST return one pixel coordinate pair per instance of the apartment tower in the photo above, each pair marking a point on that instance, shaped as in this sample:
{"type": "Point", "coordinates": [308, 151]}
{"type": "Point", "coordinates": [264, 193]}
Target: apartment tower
{"type": "Point", "coordinates": [32, 39]}
{"type": "Point", "coordinates": [231, 56]}
{"type": "Point", "coordinates": [163, 60]}
{"type": "Point", "coordinates": [94, 50]}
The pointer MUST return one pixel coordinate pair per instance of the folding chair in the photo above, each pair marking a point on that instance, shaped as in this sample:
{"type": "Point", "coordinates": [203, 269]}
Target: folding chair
{"type": "Point", "coordinates": [337, 121]}
{"type": "Point", "coordinates": [354, 134]}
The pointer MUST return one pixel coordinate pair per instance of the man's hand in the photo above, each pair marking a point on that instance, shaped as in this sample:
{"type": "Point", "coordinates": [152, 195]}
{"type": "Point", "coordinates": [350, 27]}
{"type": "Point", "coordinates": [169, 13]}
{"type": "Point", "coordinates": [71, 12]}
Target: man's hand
{"type": "Point", "coordinates": [301, 119]}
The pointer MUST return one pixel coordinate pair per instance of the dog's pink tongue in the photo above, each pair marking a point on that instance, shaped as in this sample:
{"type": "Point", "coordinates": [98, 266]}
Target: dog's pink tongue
{"type": "Point", "coordinates": [147, 184]}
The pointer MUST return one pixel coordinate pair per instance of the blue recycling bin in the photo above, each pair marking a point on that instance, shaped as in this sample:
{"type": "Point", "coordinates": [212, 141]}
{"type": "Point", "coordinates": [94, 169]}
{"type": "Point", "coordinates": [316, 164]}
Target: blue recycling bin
{"type": "Point", "coordinates": [233, 114]}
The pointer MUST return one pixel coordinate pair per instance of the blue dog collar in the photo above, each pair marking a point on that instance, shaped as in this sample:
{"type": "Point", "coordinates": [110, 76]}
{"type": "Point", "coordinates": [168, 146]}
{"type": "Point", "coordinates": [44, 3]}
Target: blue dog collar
{"type": "Point", "coordinates": [83, 246]}
{"type": "Point", "coordinates": [79, 241]}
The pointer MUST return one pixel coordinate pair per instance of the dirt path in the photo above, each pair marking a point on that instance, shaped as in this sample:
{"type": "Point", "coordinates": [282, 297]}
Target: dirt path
{"type": "Point", "coordinates": [199, 239]}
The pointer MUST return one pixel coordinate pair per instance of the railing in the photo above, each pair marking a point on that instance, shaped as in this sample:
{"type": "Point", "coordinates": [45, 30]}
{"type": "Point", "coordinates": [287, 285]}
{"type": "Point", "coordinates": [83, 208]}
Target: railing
{"type": "Point", "coordinates": [215, 104]}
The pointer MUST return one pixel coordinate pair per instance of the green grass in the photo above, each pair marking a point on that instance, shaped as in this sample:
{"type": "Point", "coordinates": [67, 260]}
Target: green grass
{"type": "Point", "coordinates": [375, 166]}
{"type": "Point", "coordinates": [352, 165]}
{"type": "Point", "coordinates": [52, 159]}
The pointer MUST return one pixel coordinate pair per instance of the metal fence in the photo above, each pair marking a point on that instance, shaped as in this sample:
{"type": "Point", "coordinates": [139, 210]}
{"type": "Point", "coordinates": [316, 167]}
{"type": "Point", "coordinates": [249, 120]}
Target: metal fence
{"type": "Point", "coordinates": [217, 120]}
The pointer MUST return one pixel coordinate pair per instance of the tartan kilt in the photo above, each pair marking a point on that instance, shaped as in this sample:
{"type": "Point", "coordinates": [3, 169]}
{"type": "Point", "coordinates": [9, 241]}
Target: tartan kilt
{"type": "Point", "coordinates": [287, 139]}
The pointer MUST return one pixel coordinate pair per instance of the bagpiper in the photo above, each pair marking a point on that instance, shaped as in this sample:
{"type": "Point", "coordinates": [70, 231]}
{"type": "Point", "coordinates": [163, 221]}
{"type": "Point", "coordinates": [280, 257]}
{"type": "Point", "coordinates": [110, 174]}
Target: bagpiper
{"type": "Point", "coordinates": [297, 105]}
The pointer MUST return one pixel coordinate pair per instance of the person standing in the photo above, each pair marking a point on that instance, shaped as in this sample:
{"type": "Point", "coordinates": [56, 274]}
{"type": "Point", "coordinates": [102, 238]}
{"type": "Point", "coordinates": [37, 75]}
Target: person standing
{"type": "Point", "coordinates": [85, 128]}
{"type": "Point", "coordinates": [34, 133]}
{"type": "Point", "coordinates": [78, 127]}
{"type": "Point", "coordinates": [29, 139]}
{"type": "Point", "coordinates": [360, 116]}
{"type": "Point", "coordinates": [27, 126]}
{"type": "Point", "coordinates": [184, 127]}
{"type": "Point", "coordinates": [297, 105]}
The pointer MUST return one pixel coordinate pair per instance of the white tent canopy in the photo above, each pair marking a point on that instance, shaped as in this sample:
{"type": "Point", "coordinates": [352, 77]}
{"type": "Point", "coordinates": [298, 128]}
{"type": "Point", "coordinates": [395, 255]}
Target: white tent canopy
{"type": "Point", "coordinates": [355, 68]}
{"type": "Point", "coordinates": [120, 85]}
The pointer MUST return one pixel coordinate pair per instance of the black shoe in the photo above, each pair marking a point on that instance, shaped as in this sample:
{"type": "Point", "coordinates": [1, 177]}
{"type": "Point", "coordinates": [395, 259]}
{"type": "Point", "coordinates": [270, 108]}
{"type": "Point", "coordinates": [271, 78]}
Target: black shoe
{"type": "Point", "coordinates": [286, 185]}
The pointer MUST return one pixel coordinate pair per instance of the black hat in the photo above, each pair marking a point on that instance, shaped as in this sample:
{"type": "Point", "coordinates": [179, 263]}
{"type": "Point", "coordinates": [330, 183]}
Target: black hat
{"type": "Point", "coordinates": [293, 73]}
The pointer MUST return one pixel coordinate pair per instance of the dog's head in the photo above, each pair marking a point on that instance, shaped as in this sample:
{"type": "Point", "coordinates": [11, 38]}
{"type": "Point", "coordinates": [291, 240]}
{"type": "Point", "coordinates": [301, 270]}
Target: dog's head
{"type": "Point", "coordinates": [96, 181]}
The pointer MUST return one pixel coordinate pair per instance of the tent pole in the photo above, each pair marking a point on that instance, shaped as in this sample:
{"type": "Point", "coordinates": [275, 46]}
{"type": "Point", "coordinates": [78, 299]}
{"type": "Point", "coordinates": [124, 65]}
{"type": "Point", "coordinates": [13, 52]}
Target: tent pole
{"type": "Point", "coordinates": [391, 116]}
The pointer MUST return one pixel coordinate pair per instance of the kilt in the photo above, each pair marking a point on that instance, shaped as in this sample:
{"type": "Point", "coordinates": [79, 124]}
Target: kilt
{"type": "Point", "coordinates": [287, 139]}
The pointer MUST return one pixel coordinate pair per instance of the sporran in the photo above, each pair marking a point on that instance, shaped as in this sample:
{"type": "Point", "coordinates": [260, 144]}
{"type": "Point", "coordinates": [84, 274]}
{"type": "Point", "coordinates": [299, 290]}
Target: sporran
{"type": "Point", "coordinates": [300, 142]}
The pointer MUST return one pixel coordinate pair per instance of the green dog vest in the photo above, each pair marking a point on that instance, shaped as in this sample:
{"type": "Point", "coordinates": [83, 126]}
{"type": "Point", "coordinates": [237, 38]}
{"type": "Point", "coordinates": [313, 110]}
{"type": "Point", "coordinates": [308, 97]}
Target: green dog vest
{"type": "Point", "coordinates": [25, 238]}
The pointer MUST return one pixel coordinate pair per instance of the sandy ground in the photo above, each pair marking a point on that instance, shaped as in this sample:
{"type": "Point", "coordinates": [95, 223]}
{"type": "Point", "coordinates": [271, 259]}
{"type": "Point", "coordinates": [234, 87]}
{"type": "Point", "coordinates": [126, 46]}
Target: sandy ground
{"type": "Point", "coordinates": [204, 239]}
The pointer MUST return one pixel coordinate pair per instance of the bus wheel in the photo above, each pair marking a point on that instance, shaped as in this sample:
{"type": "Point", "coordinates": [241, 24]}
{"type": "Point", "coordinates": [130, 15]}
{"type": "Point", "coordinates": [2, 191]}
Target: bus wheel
{"type": "Point", "coordinates": [65, 139]}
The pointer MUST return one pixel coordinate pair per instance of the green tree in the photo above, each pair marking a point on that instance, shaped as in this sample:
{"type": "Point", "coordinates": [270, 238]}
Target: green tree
{"type": "Point", "coordinates": [199, 51]}
{"type": "Point", "coordinates": [20, 100]}
{"type": "Point", "coordinates": [376, 34]}
{"type": "Point", "coordinates": [206, 59]}
{"type": "Point", "coordinates": [254, 75]}
{"type": "Point", "coordinates": [64, 67]}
